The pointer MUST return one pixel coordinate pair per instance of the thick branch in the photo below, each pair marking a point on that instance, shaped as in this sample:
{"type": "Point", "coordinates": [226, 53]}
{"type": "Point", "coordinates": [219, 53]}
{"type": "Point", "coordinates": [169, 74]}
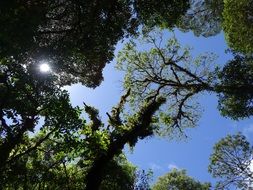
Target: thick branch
{"type": "Point", "coordinates": [140, 128]}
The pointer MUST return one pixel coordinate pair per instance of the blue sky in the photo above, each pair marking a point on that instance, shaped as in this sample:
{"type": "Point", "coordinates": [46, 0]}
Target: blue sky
{"type": "Point", "coordinates": [158, 154]}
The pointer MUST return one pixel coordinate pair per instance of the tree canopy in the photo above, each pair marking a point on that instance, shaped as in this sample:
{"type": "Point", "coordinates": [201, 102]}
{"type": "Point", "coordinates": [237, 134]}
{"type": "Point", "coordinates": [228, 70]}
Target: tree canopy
{"type": "Point", "coordinates": [68, 33]}
{"type": "Point", "coordinates": [160, 13]}
{"type": "Point", "coordinates": [231, 161]}
{"type": "Point", "coordinates": [236, 101]}
{"type": "Point", "coordinates": [203, 18]}
{"type": "Point", "coordinates": [238, 25]}
{"type": "Point", "coordinates": [209, 17]}
{"type": "Point", "coordinates": [178, 180]}
{"type": "Point", "coordinates": [167, 69]}
{"type": "Point", "coordinates": [47, 143]}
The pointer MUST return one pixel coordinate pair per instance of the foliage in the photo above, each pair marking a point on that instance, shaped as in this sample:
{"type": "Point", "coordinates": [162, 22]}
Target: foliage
{"type": "Point", "coordinates": [209, 17]}
{"type": "Point", "coordinates": [28, 97]}
{"type": "Point", "coordinates": [167, 70]}
{"type": "Point", "coordinates": [120, 132]}
{"type": "Point", "coordinates": [45, 142]}
{"type": "Point", "coordinates": [32, 102]}
{"type": "Point", "coordinates": [204, 17]}
{"type": "Point", "coordinates": [237, 24]}
{"type": "Point", "coordinates": [231, 162]}
{"type": "Point", "coordinates": [53, 165]}
{"type": "Point", "coordinates": [178, 180]}
{"type": "Point", "coordinates": [61, 158]}
{"type": "Point", "coordinates": [236, 78]}
{"type": "Point", "coordinates": [160, 13]}
{"type": "Point", "coordinates": [120, 175]}
{"type": "Point", "coordinates": [68, 34]}
{"type": "Point", "coordinates": [46, 167]}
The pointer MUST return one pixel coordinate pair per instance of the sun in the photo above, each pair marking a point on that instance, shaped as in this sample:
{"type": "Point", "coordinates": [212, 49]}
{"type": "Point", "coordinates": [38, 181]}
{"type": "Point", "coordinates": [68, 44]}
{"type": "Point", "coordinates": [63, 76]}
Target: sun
{"type": "Point", "coordinates": [44, 67]}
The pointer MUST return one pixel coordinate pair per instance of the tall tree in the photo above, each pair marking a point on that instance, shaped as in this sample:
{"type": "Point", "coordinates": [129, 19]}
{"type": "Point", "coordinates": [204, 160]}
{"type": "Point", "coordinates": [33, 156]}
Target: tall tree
{"type": "Point", "coordinates": [29, 97]}
{"type": "Point", "coordinates": [119, 133]}
{"type": "Point", "coordinates": [231, 161]}
{"type": "Point", "coordinates": [67, 35]}
{"type": "Point", "coordinates": [167, 69]}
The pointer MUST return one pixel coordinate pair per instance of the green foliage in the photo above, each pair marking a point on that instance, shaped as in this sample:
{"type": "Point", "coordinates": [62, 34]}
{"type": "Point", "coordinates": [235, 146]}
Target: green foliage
{"type": "Point", "coordinates": [60, 138]}
{"type": "Point", "coordinates": [45, 143]}
{"type": "Point", "coordinates": [178, 180]}
{"type": "Point", "coordinates": [16, 15]}
{"type": "Point", "coordinates": [48, 166]}
{"type": "Point", "coordinates": [236, 78]}
{"type": "Point", "coordinates": [160, 13]}
{"type": "Point", "coordinates": [66, 34]}
{"type": "Point", "coordinates": [32, 104]}
{"type": "Point", "coordinates": [119, 175]}
{"type": "Point", "coordinates": [28, 97]}
{"type": "Point", "coordinates": [53, 165]}
{"type": "Point", "coordinates": [69, 36]}
{"type": "Point", "coordinates": [237, 25]}
{"type": "Point", "coordinates": [165, 69]}
{"type": "Point", "coordinates": [231, 162]}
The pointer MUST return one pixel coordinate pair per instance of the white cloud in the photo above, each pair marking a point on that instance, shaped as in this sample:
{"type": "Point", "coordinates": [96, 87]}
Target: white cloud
{"type": "Point", "coordinates": [155, 166]}
{"type": "Point", "coordinates": [172, 166]}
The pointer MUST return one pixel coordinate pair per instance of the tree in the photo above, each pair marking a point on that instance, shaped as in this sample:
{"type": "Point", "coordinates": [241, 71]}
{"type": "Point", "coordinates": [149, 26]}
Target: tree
{"type": "Point", "coordinates": [65, 33]}
{"type": "Point", "coordinates": [237, 25]}
{"type": "Point", "coordinates": [96, 151]}
{"type": "Point", "coordinates": [53, 166]}
{"type": "Point", "coordinates": [28, 97]}
{"type": "Point", "coordinates": [236, 101]}
{"type": "Point", "coordinates": [178, 180]}
{"type": "Point", "coordinates": [168, 70]}
{"type": "Point", "coordinates": [48, 166]}
{"type": "Point", "coordinates": [68, 33]}
{"type": "Point", "coordinates": [163, 13]}
{"type": "Point", "coordinates": [118, 133]}
{"type": "Point", "coordinates": [65, 157]}
{"type": "Point", "coordinates": [210, 17]}
{"type": "Point", "coordinates": [231, 161]}
{"type": "Point", "coordinates": [51, 35]}
{"type": "Point", "coordinates": [120, 175]}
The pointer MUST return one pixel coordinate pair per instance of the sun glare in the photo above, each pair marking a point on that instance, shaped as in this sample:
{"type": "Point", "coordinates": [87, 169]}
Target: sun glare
{"type": "Point", "coordinates": [44, 67]}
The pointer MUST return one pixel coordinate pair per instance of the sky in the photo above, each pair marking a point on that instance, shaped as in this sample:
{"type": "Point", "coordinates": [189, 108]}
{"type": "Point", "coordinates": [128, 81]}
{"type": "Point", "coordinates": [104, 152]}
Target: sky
{"type": "Point", "coordinates": [162, 155]}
